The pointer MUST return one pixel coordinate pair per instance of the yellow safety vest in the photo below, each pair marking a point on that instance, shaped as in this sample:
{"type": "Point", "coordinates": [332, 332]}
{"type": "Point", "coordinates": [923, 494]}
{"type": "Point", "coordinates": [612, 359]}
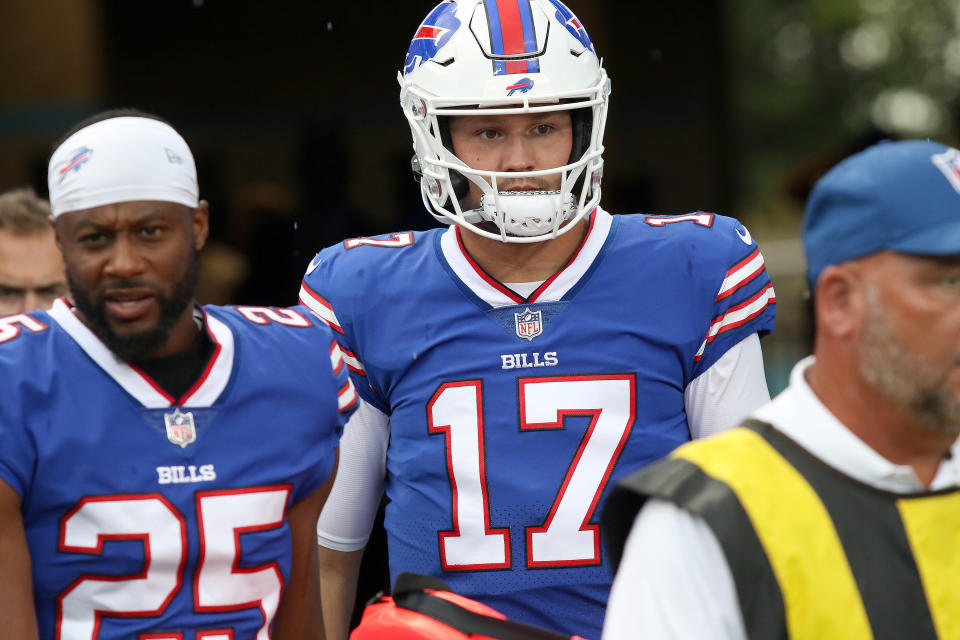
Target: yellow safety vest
{"type": "Point", "coordinates": [815, 554]}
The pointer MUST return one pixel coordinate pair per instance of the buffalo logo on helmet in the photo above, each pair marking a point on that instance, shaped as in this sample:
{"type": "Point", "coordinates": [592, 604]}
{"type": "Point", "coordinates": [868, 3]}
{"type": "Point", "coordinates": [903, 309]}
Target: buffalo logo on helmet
{"type": "Point", "coordinates": [431, 35]}
{"type": "Point", "coordinates": [521, 86]}
{"type": "Point", "coordinates": [573, 25]}
{"type": "Point", "coordinates": [78, 158]}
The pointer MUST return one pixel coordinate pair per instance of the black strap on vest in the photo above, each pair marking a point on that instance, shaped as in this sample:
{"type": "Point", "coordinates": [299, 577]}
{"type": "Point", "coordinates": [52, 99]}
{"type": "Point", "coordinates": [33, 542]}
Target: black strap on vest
{"type": "Point", "coordinates": [408, 593]}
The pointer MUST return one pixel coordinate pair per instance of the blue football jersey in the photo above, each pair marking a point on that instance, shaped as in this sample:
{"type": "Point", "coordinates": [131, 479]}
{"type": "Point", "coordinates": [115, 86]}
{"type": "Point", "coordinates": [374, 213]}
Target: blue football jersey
{"type": "Point", "coordinates": [510, 417]}
{"type": "Point", "coordinates": [155, 517]}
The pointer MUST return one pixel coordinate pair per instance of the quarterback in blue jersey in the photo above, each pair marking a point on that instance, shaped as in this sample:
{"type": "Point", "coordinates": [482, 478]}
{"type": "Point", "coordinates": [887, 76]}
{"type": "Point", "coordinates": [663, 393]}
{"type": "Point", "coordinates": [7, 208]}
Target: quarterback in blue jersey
{"type": "Point", "coordinates": [513, 366]}
{"type": "Point", "coordinates": [162, 464]}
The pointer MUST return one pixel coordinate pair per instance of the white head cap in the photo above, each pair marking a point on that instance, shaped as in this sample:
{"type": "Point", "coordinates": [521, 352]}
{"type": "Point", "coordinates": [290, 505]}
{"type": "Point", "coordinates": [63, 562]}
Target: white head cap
{"type": "Point", "coordinates": [121, 160]}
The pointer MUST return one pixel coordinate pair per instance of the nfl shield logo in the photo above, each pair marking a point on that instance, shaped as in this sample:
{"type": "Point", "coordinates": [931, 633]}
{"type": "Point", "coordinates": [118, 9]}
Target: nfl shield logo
{"type": "Point", "coordinates": [949, 164]}
{"type": "Point", "coordinates": [529, 323]}
{"type": "Point", "coordinates": [181, 429]}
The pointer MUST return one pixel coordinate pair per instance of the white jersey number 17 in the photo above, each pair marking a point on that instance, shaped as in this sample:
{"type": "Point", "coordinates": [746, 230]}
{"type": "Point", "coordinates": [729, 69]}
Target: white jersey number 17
{"type": "Point", "coordinates": [565, 538]}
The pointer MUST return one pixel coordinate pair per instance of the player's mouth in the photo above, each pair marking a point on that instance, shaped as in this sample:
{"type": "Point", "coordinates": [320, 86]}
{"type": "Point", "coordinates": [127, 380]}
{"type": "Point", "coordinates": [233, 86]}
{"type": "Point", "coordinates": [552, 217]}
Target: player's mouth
{"type": "Point", "coordinates": [521, 187]}
{"type": "Point", "coordinates": [126, 305]}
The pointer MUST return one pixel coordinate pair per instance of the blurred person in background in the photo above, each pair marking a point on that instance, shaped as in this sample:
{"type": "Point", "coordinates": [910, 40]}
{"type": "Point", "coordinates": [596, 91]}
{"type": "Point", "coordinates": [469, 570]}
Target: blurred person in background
{"type": "Point", "coordinates": [31, 268]}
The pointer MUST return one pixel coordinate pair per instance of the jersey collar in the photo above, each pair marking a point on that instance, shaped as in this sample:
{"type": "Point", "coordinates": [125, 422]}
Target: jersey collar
{"type": "Point", "coordinates": [496, 294]}
{"type": "Point", "coordinates": [204, 393]}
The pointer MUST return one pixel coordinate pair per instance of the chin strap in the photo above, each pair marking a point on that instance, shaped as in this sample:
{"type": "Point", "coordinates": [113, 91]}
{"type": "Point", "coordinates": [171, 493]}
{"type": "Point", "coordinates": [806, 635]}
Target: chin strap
{"type": "Point", "coordinates": [524, 213]}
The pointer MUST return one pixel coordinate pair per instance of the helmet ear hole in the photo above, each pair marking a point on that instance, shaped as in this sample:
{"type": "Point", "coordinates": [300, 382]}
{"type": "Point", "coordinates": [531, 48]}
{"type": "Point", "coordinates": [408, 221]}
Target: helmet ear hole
{"type": "Point", "coordinates": [458, 181]}
{"type": "Point", "coordinates": [415, 168]}
{"type": "Point", "coordinates": [582, 123]}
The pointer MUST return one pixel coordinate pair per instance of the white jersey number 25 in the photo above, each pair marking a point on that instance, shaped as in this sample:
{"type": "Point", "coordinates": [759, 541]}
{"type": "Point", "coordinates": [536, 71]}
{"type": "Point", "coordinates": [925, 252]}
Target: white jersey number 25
{"type": "Point", "coordinates": [218, 585]}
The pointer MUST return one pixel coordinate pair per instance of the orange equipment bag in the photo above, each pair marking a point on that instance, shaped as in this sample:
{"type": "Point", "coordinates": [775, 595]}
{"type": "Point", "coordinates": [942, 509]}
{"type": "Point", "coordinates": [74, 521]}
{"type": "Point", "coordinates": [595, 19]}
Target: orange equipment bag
{"type": "Point", "coordinates": [423, 608]}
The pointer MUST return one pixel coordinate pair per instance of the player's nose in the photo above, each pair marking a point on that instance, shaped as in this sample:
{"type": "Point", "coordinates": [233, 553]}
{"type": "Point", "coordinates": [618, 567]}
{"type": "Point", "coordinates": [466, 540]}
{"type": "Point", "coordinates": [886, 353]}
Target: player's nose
{"type": "Point", "coordinates": [518, 154]}
{"type": "Point", "coordinates": [32, 300]}
{"type": "Point", "coordinates": [125, 260]}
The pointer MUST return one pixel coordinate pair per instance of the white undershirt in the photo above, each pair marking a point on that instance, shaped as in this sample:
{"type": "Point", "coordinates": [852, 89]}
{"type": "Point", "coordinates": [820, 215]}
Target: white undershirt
{"type": "Point", "coordinates": [716, 400]}
{"type": "Point", "coordinates": [674, 581]}
{"type": "Point", "coordinates": [524, 288]}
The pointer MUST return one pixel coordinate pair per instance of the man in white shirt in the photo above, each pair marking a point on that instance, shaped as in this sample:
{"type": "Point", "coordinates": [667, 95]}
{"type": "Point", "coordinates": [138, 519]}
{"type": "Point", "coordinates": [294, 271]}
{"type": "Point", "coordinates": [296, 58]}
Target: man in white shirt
{"type": "Point", "coordinates": [835, 511]}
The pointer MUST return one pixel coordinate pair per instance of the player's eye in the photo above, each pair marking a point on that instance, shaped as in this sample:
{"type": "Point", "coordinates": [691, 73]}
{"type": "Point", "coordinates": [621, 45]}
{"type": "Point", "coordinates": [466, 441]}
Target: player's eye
{"type": "Point", "coordinates": [53, 291]}
{"type": "Point", "coordinates": [543, 129]}
{"type": "Point", "coordinates": [93, 237]}
{"type": "Point", "coordinates": [488, 134]}
{"type": "Point", "coordinates": [151, 231]}
{"type": "Point", "coordinates": [10, 292]}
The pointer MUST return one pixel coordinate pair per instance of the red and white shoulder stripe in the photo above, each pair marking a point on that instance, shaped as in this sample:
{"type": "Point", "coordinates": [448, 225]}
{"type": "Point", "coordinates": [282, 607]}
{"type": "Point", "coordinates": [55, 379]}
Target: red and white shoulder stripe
{"type": "Point", "coordinates": [347, 395]}
{"type": "Point", "coordinates": [320, 307]}
{"type": "Point", "coordinates": [353, 362]}
{"type": "Point", "coordinates": [739, 315]}
{"type": "Point", "coordinates": [336, 357]}
{"type": "Point", "coordinates": [324, 311]}
{"type": "Point", "coordinates": [740, 274]}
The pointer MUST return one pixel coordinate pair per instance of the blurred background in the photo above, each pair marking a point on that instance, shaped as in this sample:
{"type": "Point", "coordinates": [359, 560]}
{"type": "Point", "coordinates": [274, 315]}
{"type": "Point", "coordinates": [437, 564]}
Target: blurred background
{"type": "Point", "coordinates": [731, 106]}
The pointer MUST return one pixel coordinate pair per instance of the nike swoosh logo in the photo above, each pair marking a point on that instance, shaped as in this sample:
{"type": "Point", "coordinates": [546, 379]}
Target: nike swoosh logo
{"type": "Point", "coordinates": [745, 236]}
{"type": "Point", "coordinates": [314, 264]}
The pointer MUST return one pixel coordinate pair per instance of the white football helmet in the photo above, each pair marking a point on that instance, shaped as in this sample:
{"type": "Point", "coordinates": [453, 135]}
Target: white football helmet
{"type": "Point", "coordinates": [504, 57]}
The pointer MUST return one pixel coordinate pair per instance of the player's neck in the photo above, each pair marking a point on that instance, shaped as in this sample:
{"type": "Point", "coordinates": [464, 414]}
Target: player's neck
{"type": "Point", "coordinates": [185, 335]}
{"type": "Point", "coordinates": [523, 262]}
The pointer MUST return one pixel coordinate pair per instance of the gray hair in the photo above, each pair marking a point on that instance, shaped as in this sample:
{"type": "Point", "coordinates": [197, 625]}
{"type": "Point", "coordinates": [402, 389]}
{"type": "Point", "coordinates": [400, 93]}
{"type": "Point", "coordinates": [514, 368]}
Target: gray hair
{"type": "Point", "coordinates": [23, 213]}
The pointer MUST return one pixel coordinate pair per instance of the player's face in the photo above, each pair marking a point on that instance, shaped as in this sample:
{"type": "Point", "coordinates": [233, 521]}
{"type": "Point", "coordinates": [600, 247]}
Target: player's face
{"type": "Point", "coordinates": [31, 272]}
{"type": "Point", "coordinates": [910, 343]}
{"type": "Point", "coordinates": [521, 142]}
{"type": "Point", "coordinates": [132, 271]}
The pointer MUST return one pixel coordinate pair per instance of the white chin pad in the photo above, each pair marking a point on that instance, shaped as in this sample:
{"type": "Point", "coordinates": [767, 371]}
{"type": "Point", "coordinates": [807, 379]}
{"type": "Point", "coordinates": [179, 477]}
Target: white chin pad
{"type": "Point", "coordinates": [526, 213]}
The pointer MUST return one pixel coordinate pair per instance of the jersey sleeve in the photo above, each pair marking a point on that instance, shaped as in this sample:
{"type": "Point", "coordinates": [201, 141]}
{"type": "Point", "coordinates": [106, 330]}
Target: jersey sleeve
{"type": "Point", "coordinates": [326, 294]}
{"type": "Point", "coordinates": [744, 301]}
{"type": "Point", "coordinates": [294, 347]}
{"type": "Point", "coordinates": [17, 454]}
{"type": "Point", "coordinates": [730, 390]}
{"type": "Point", "coordinates": [348, 515]}
{"type": "Point", "coordinates": [344, 406]}
{"type": "Point", "coordinates": [18, 451]}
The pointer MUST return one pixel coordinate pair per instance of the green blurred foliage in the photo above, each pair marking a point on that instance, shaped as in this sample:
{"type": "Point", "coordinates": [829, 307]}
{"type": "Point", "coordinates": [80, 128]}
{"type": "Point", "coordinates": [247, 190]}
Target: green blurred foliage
{"type": "Point", "coordinates": [816, 78]}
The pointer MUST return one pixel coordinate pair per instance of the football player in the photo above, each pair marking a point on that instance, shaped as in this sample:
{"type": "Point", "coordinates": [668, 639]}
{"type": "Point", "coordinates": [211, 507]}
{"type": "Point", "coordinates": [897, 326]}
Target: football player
{"type": "Point", "coordinates": [514, 365]}
{"type": "Point", "coordinates": [162, 465]}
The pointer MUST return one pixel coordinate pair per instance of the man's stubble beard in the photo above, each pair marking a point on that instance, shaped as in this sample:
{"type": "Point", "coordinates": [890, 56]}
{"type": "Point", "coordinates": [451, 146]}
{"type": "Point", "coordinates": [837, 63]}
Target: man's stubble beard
{"type": "Point", "coordinates": [909, 382]}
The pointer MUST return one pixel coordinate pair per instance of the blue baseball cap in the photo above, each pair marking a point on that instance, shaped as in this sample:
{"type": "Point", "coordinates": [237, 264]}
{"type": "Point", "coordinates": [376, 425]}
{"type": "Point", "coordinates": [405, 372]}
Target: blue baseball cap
{"type": "Point", "coordinates": [896, 196]}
